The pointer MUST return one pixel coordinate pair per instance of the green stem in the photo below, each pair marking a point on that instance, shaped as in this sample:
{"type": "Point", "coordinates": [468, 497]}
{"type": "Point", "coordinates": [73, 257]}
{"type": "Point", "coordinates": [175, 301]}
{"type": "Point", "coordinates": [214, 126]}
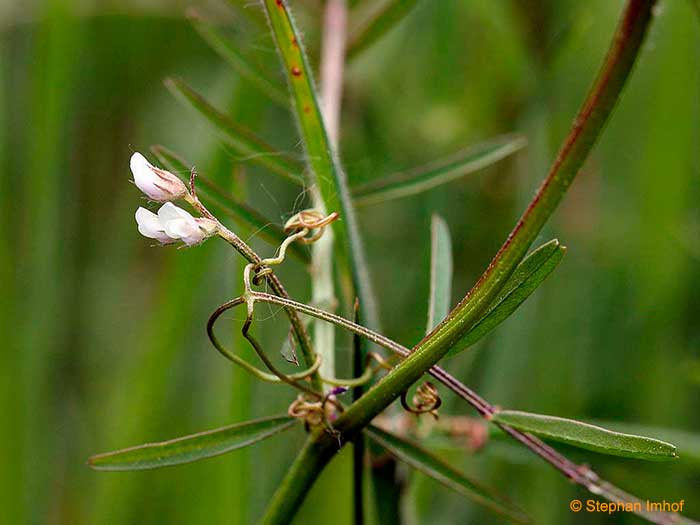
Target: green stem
{"type": "Point", "coordinates": [586, 129]}
{"type": "Point", "coordinates": [326, 174]}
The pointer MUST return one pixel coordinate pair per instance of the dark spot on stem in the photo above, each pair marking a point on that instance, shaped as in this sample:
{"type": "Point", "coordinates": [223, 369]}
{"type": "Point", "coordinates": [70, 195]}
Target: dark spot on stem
{"type": "Point", "coordinates": [296, 71]}
{"type": "Point", "coordinates": [307, 109]}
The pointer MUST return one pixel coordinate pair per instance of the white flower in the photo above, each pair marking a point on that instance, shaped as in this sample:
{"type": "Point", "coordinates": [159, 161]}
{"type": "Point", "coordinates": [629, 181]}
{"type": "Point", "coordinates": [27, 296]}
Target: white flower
{"type": "Point", "coordinates": [173, 224]}
{"type": "Point", "coordinates": [158, 185]}
{"type": "Point", "coordinates": [149, 226]}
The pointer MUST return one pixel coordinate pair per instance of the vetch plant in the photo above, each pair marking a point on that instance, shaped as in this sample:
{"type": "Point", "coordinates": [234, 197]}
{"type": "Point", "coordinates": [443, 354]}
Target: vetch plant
{"type": "Point", "coordinates": [332, 416]}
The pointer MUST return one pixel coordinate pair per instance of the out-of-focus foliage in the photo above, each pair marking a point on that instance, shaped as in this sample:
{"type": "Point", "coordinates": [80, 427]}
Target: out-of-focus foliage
{"type": "Point", "coordinates": [103, 336]}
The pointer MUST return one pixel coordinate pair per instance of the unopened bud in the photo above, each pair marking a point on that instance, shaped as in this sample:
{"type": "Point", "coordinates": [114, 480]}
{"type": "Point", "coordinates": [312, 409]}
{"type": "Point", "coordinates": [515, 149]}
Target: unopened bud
{"type": "Point", "coordinates": [159, 185]}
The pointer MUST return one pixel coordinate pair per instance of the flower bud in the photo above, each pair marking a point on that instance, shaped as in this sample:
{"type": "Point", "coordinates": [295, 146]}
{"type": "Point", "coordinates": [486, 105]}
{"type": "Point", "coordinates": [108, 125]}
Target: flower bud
{"type": "Point", "coordinates": [158, 185]}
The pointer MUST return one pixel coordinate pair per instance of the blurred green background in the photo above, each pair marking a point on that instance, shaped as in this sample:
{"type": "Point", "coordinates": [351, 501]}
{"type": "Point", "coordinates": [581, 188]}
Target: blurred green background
{"type": "Point", "coordinates": [103, 336]}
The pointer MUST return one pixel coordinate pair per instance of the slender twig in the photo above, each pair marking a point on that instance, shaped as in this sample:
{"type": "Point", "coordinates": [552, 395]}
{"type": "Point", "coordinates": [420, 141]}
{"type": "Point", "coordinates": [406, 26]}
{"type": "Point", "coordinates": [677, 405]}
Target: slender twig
{"type": "Point", "coordinates": [268, 362]}
{"type": "Point", "coordinates": [274, 377]}
{"type": "Point", "coordinates": [275, 284]}
{"type": "Point", "coordinates": [586, 129]}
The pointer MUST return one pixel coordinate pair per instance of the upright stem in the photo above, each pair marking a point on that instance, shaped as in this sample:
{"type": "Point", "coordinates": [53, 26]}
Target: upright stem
{"type": "Point", "coordinates": [332, 65]}
{"type": "Point", "coordinates": [586, 128]}
{"type": "Point", "coordinates": [335, 22]}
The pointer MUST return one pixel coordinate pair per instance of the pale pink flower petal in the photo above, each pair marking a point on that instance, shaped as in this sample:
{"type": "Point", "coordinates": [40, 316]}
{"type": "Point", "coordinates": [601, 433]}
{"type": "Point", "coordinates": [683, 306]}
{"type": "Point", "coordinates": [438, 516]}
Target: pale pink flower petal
{"type": "Point", "coordinates": [149, 226]}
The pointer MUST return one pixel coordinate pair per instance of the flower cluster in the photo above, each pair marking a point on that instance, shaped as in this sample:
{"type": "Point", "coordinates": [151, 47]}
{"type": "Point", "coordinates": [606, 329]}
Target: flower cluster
{"type": "Point", "coordinates": [171, 224]}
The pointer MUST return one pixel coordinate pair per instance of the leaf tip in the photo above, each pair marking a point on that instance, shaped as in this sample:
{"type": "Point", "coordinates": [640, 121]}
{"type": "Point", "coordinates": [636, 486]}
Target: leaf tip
{"type": "Point", "coordinates": [94, 462]}
{"type": "Point", "coordinates": [519, 142]}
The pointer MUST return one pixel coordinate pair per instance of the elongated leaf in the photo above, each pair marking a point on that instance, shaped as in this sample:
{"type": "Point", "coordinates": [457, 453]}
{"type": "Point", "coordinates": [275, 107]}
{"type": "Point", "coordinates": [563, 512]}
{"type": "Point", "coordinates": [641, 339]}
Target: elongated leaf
{"type": "Point", "coordinates": [440, 272]}
{"type": "Point", "coordinates": [243, 141]}
{"type": "Point", "coordinates": [375, 24]}
{"type": "Point", "coordinates": [434, 467]}
{"type": "Point", "coordinates": [230, 53]}
{"type": "Point", "coordinates": [526, 278]}
{"type": "Point", "coordinates": [439, 172]}
{"type": "Point", "coordinates": [326, 174]}
{"type": "Point", "coordinates": [589, 437]}
{"type": "Point", "coordinates": [238, 211]}
{"type": "Point", "coordinates": [191, 448]}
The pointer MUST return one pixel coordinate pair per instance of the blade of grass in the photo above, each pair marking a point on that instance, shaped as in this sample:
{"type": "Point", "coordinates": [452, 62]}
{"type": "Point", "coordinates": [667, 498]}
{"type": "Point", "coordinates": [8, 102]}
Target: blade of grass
{"type": "Point", "coordinates": [437, 173]}
{"type": "Point", "coordinates": [376, 23]}
{"type": "Point", "coordinates": [46, 218]}
{"type": "Point", "coordinates": [243, 141]}
{"type": "Point", "coordinates": [238, 211]}
{"type": "Point", "coordinates": [440, 272]}
{"type": "Point", "coordinates": [231, 54]}
{"type": "Point", "coordinates": [434, 467]}
{"type": "Point", "coordinates": [327, 177]}
{"type": "Point", "coordinates": [191, 448]}
{"type": "Point", "coordinates": [586, 129]}
{"type": "Point", "coordinates": [526, 278]}
{"type": "Point", "coordinates": [589, 437]}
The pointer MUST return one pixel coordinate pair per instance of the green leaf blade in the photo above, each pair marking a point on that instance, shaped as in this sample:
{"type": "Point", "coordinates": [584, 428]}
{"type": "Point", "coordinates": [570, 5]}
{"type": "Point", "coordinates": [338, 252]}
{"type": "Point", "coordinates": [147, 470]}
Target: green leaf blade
{"type": "Point", "coordinates": [457, 165]}
{"type": "Point", "coordinates": [434, 467]}
{"type": "Point", "coordinates": [587, 436]}
{"type": "Point", "coordinates": [243, 141]}
{"type": "Point", "coordinates": [191, 448]}
{"type": "Point", "coordinates": [440, 272]}
{"type": "Point", "coordinates": [526, 278]}
{"type": "Point", "coordinates": [230, 53]}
